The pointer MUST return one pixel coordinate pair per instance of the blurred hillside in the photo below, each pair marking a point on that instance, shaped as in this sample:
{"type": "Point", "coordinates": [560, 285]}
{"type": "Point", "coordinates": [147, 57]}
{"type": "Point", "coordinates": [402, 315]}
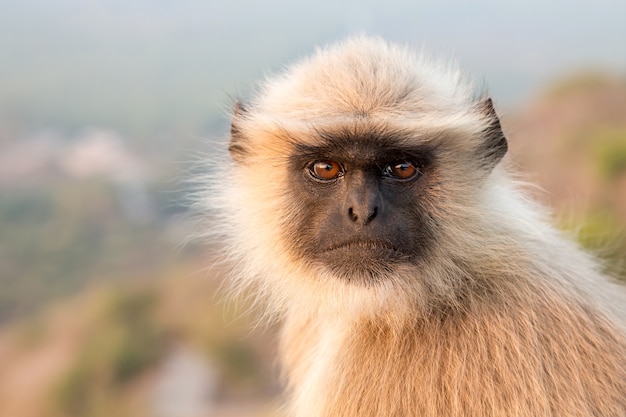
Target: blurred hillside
{"type": "Point", "coordinates": [79, 210]}
{"type": "Point", "coordinates": [571, 142]}
{"type": "Point", "coordinates": [161, 348]}
{"type": "Point", "coordinates": [104, 313]}
{"type": "Point", "coordinates": [103, 310]}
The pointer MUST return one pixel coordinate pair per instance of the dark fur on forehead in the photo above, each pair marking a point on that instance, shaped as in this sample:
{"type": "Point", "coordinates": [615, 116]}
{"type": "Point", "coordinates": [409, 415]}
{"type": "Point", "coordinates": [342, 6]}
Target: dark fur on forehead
{"type": "Point", "coordinates": [366, 147]}
{"type": "Point", "coordinates": [383, 136]}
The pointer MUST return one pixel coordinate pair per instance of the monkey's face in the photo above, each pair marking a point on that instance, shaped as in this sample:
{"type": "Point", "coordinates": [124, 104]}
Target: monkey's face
{"type": "Point", "coordinates": [355, 167]}
{"type": "Point", "coordinates": [360, 200]}
{"type": "Point", "coordinates": [361, 211]}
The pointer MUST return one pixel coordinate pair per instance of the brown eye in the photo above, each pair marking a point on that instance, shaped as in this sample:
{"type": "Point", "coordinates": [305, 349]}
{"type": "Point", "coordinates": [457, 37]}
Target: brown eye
{"type": "Point", "coordinates": [326, 170]}
{"type": "Point", "coordinates": [403, 170]}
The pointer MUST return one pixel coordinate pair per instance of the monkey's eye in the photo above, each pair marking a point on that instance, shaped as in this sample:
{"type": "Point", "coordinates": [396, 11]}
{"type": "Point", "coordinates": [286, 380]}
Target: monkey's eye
{"type": "Point", "coordinates": [402, 170]}
{"type": "Point", "coordinates": [325, 170]}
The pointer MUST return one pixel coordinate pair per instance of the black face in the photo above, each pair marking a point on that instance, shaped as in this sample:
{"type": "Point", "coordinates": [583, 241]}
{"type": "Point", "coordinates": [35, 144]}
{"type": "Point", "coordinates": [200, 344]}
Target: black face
{"type": "Point", "coordinates": [363, 206]}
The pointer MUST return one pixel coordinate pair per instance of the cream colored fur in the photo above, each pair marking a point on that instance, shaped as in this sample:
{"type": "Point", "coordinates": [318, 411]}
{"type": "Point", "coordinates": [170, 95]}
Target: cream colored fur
{"type": "Point", "coordinates": [506, 318]}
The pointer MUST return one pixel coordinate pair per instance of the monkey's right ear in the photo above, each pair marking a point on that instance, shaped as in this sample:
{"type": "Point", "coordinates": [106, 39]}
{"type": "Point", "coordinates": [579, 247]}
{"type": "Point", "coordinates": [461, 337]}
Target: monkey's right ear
{"type": "Point", "coordinates": [236, 147]}
{"type": "Point", "coordinates": [495, 145]}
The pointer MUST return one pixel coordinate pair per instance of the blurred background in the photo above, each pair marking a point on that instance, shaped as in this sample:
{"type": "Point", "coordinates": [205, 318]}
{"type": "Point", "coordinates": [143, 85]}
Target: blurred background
{"type": "Point", "coordinates": [106, 111]}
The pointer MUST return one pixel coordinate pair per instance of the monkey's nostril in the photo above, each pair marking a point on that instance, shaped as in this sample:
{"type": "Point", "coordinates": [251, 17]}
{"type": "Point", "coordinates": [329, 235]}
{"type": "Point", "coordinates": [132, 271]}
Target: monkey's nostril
{"type": "Point", "coordinates": [371, 215]}
{"type": "Point", "coordinates": [352, 214]}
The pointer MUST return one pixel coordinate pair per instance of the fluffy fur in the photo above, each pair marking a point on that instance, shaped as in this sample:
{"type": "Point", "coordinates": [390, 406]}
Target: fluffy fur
{"type": "Point", "coordinates": [505, 317]}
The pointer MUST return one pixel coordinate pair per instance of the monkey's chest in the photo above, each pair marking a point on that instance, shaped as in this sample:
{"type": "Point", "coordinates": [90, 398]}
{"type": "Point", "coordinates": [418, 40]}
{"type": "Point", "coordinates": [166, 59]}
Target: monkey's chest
{"type": "Point", "coordinates": [475, 369]}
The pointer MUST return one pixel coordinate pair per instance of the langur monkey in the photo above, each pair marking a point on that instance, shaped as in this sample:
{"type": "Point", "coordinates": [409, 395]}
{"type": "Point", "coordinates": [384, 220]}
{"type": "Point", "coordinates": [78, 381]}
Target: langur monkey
{"type": "Point", "coordinates": [366, 202]}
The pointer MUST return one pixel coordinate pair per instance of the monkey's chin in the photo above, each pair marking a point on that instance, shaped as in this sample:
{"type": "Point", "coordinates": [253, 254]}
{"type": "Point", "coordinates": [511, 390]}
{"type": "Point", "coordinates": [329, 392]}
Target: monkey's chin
{"type": "Point", "coordinates": [362, 266]}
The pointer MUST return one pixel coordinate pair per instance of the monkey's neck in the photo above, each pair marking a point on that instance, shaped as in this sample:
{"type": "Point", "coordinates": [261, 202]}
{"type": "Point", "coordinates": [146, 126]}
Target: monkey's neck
{"type": "Point", "coordinates": [487, 362]}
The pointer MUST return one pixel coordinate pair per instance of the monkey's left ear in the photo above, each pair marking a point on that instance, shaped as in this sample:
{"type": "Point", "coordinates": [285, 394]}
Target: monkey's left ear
{"type": "Point", "coordinates": [236, 147]}
{"type": "Point", "coordinates": [495, 145]}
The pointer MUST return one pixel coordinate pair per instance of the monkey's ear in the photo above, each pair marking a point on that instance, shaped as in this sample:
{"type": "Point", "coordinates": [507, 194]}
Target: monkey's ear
{"type": "Point", "coordinates": [236, 147]}
{"type": "Point", "coordinates": [495, 145]}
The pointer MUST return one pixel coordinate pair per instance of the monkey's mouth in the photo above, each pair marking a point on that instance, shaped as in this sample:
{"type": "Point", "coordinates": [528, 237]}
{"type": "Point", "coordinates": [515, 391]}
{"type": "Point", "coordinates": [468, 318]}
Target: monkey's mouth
{"type": "Point", "coordinates": [362, 261]}
{"type": "Point", "coordinates": [372, 247]}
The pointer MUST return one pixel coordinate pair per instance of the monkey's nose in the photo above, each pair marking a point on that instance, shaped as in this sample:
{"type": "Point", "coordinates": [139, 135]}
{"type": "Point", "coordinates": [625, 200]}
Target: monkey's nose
{"type": "Point", "coordinates": [363, 200]}
{"type": "Point", "coordinates": [363, 215]}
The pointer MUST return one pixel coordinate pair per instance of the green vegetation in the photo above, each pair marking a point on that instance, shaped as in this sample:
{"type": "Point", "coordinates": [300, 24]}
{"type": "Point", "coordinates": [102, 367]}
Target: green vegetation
{"type": "Point", "coordinates": [123, 341]}
{"type": "Point", "coordinates": [610, 153]}
{"type": "Point", "coordinates": [585, 82]}
{"type": "Point", "coordinates": [603, 234]}
{"type": "Point", "coordinates": [58, 236]}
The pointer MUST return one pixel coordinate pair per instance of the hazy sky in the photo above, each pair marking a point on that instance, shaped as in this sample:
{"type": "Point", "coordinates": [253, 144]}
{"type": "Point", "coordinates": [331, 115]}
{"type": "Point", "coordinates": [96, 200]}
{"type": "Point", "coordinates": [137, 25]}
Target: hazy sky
{"type": "Point", "coordinates": [173, 61]}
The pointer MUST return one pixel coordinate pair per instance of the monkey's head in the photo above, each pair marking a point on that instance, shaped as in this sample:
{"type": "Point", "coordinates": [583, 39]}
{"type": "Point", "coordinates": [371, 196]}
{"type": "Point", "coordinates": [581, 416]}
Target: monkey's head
{"type": "Point", "coordinates": [363, 168]}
